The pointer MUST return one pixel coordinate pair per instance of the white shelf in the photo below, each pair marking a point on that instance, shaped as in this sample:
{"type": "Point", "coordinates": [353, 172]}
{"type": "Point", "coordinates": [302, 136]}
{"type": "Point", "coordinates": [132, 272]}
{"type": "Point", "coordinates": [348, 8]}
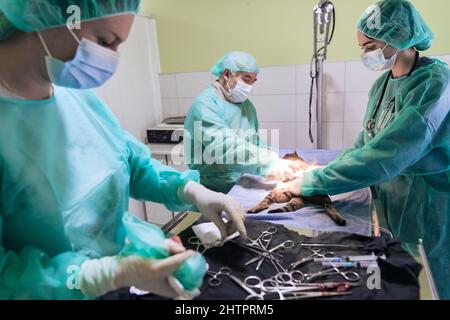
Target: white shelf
{"type": "Point", "coordinates": [166, 149]}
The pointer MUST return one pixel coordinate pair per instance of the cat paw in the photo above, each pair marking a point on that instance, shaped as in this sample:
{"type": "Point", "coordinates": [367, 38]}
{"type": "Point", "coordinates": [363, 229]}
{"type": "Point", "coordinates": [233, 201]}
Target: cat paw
{"type": "Point", "coordinates": [256, 210]}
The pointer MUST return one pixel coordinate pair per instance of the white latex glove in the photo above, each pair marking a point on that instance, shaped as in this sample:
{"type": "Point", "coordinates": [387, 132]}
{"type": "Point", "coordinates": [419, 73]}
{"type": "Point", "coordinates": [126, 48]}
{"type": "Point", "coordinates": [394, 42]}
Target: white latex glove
{"type": "Point", "coordinates": [211, 204]}
{"type": "Point", "coordinates": [284, 170]}
{"type": "Point", "coordinates": [100, 276]}
{"type": "Point", "coordinates": [293, 187]}
{"type": "Point", "coordinates": [209, 234]}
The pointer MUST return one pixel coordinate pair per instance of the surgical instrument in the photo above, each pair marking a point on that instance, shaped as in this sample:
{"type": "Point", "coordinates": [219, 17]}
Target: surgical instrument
{"type": "Point", "coordinates": [266, 233]}
{"type": "Point", "coordinates": [265, 246]}
{"type": "Point", "coordinates": [286, 291]}
{"type": "Point", "coordinates": [347, 275]}
{"type": "Point", "coordinates": [309, 295]}
{"type": "Point", "coordinates": [282, 279]}
{"type": "Point", "coordinates": [252, 294]}
{"type": "Point", "coordinates": [275, 262]}
{"type": "Point", "coordinates": [334, 246]}
{"type": "Point", "coordinates": [257, 250]}
{"type": "Point", "coordinates": [284, 245]}
{"type": "Point", "coordinates": [196, 241]}
{"type": "Point", "coordinates": [289, 281]}
{"type": "Point", "coordinates": [215, 281]}
{"type": "Point", "coordinates": [371, 257]}
{"type": "Point", "coordinates": [315, 253]}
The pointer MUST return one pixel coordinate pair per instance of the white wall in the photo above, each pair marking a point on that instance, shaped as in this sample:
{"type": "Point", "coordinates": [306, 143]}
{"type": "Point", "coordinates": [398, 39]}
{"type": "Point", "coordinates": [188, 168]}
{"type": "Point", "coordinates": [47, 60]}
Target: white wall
{"type": "Point", "coordinates": [281, 98]}
{"type": "Point", "coordinates": [134, 93]}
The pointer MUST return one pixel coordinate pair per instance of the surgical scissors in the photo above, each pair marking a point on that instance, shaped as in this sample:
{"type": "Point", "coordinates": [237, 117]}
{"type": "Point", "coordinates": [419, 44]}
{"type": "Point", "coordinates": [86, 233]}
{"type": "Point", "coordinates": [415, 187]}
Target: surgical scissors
{"type": "Point", "coordinates": [252, 295]}
{"type": "Point", "coordinates": [350, 276]}
{"type": "Point", "coordinates": [296, 290]}
{"type": "Point", "coordinates": [292, 278]}
{"type": "Point", "coordinates": [258, 250]}
{"type": "Point", "coordinates": [269, 232]}
{"type": "Point", "coordinates": [316, 253]}
{"type": "Point", "coordinates": [280, 281]}
{"type": "Point", "coordinates": [265, 246]}
{"type": "Point", "coordinates": [284, 245]}
{"type": "Point", "coordinates": [215, 281]}
{"type": "Point", "coordinates": [196, 242]}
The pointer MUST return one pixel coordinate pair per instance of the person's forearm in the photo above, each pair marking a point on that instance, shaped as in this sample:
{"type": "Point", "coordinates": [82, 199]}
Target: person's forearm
{"type": "Point", "coordinates": [382, 159]}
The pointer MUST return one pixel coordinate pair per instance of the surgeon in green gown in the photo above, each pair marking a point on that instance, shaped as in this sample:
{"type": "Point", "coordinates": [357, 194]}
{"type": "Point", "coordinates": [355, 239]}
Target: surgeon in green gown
{"type": "Point", "coordinates": [221, 129]}
{"type": "Point", "coordinates": [403, 151]}
{"type": "Point", "coordinates": [67, 168]}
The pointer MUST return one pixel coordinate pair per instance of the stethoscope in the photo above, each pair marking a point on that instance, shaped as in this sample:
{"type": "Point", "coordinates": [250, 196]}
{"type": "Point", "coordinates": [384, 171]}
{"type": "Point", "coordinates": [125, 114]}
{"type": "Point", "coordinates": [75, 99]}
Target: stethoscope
{"type": "Point", "coordinates": [371, 123]}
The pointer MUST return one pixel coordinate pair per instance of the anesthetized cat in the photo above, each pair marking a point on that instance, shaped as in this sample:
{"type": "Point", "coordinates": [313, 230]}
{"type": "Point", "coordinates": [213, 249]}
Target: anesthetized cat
{"type": "Point", "coordinates": [294, 202]}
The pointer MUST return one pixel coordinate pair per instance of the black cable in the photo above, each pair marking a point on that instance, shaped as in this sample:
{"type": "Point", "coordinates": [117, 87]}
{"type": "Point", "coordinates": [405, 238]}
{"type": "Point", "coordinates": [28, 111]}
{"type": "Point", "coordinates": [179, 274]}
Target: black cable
{"type": "Point", "coordinates": [313, 76]}
{"type": "Point", "coordinates": [334, 24]}
{"type": "Point", "coordinates": [313, 79]}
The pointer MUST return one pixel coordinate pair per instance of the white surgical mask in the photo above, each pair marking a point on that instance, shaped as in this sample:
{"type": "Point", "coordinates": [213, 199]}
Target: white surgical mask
{"type": "Point", "coordinates": [375, 60]}
{"type": "Point", "coordinates": [240, 92]}
{"type": "Point", "coordinates": [92, 66]}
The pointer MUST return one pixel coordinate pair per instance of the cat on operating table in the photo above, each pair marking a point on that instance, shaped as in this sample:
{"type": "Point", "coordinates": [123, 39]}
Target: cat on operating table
{"type": "Point", "coordinates": [294, 203]}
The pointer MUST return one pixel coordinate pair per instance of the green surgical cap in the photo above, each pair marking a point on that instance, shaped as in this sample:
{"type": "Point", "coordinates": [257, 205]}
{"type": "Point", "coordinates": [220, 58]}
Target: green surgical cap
{"type": "Point", "coordinates": [235, 62]}
{"type": "Point", "coordinates": [397, 23]}
{"type": "Point", "coordinates": [37, 15]}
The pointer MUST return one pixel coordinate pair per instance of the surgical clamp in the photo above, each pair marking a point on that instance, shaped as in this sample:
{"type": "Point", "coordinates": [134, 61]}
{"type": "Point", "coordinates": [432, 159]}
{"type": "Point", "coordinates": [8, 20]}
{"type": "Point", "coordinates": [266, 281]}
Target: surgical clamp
{"type": "Point", "coordinates": [316, 253]}
{"type": "Point", "coordinates": [350, 276]}
{"type": "Point", "coordinates": [252, 294]}
{"type": "Point", "coordinates": [284, 245]}
{"type": "Point", "coordinates": [215, 281]}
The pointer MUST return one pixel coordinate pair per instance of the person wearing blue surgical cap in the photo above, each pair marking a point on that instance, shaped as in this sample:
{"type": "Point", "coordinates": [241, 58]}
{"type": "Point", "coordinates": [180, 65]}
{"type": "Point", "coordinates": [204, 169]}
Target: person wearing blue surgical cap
{"type": "Point", "coordinates": [221, 129]}
{"type": "Point", "coordinates": [403, 151]}
{"type": "Point", "coordinates": [67, 168]}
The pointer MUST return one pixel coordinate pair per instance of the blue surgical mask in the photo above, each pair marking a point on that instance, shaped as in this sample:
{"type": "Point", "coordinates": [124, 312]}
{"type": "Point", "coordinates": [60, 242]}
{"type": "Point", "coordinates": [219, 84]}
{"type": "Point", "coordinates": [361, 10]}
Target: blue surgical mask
{"type": "Point", "coordinates": [92, 66]}
{"type": "Point", "coordinates": [375, 60]}
{"type": "Point", "coordinates": [240, 92]}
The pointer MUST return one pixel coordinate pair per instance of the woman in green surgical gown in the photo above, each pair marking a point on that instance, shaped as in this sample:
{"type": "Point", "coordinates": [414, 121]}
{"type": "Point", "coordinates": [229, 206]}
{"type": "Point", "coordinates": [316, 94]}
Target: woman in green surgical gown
{"type": "Point", "coordinates": [403, 151]}
{"type": "Point", "coordinates": [67, 169]}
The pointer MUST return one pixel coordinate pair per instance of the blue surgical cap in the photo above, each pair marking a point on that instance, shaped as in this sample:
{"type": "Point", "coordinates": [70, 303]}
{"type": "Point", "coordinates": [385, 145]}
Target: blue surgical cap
{"type": "Point", "coordinates": [235, 61]}
{"type": "Point", "coordinates": [397, 23]}
{"type": "Point", "coordinates": [37, 15]}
